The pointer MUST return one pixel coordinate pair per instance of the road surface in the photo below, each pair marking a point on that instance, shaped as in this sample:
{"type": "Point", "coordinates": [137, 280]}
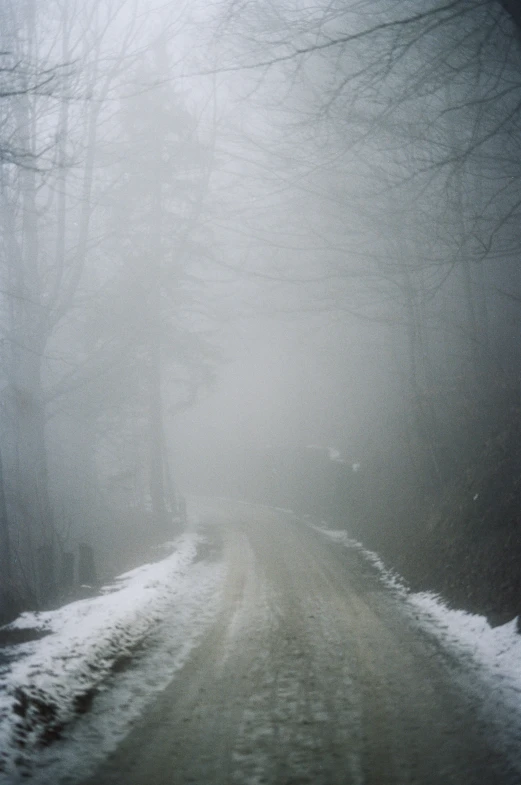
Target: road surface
{"type": "Point", "coordinates": [313, 674]}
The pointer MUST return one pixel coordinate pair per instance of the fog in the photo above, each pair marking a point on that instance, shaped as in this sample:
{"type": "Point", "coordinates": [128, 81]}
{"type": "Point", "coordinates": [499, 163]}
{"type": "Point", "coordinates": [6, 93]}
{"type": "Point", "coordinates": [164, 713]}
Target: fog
{"type": "Point", "coordinates": [246, 248]}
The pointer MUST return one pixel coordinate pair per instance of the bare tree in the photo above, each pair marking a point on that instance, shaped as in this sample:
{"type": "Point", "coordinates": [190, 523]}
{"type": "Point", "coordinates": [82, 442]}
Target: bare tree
{"type": "Point", "coordinates": [412, 114]}
{"type": "Point", "coordinates": [62, 67]}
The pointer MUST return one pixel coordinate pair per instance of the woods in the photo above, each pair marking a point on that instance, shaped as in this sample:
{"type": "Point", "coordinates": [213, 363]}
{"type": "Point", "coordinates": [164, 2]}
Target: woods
{"type": "Point", "coordinates": [96, 241]}
{"type": "Point", "coordinates": [396, 146]}
{"type": "Point", "coordinates": [347, 174]}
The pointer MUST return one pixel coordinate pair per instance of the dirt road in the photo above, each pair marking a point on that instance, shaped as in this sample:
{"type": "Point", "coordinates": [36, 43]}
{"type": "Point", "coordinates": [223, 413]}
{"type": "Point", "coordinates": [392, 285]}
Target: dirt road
{"type": "Point", "coordinates": [312, 674]}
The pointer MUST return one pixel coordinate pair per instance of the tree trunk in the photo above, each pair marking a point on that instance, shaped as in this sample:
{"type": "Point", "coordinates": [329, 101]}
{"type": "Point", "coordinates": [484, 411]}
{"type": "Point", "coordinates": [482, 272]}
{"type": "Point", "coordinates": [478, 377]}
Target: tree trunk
{"type": "Point", "coordinates": [157, 467]}
{"type": "Point", "coordinates": [10, 603]}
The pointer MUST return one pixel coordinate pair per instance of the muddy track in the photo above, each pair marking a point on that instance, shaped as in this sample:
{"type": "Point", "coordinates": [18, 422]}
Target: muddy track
{"type": "Point", "coordinates": [312, 674]}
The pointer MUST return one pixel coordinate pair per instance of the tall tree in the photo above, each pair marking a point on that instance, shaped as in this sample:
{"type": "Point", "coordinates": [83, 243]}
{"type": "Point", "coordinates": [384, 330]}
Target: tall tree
{"type": "Point", "coordinates": [163, 176]}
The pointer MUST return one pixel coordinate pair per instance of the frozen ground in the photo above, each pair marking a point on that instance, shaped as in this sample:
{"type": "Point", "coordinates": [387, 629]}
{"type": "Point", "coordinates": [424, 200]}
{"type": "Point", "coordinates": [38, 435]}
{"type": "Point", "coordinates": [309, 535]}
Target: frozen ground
{"type": "Point", "coordinates": [294, 657]}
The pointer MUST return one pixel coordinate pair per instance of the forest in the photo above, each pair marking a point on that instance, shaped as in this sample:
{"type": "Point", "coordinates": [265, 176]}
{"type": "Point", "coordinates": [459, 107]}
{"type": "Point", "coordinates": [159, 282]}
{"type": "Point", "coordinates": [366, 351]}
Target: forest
{"type": "Point", "coordinates": [310, 213]}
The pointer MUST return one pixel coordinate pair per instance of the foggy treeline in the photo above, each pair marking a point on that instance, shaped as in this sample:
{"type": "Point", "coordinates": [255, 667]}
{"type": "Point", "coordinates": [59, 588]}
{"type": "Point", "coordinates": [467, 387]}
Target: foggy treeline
{"type": "Point", "coordinates": [399, 130]}
{"type": "Point", "coordinates": [102, 184]}
{"type": "Point", "coordinates": [393, 188]}
{"type": "Point", "coordinates": [348, 171]}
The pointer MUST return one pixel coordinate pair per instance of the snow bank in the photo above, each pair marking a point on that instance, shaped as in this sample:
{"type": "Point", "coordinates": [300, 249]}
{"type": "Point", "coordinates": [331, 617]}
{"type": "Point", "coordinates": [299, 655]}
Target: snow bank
{"type": "Point", "coordinates": [88, 640]}
{"type": "Point", "coordinates": [497, 649]}
{"type": "Point", "coordinates": [492, 657]}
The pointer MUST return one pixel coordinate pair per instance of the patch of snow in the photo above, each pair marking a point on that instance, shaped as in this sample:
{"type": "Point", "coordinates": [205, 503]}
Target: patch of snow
{"type": "Point", "coordinates": [493, 653]}
{"type": "Point", "coordinates": [332, 453]}
{"type": "Point", "coordinates": [496, 646]}
{"type": "Point", "coordinates": [90, 640]}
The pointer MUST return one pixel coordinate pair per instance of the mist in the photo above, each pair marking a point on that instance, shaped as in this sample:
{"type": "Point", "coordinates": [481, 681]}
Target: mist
{"type": "Point", "coordinates": [260, 407]}
{"type": "Point", "coordinates": [235, 254]}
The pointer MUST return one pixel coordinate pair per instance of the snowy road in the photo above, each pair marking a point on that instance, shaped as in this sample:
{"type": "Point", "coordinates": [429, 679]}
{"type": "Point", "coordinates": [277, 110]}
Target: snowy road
{"type": "Point", "coordinates": [311, 674]}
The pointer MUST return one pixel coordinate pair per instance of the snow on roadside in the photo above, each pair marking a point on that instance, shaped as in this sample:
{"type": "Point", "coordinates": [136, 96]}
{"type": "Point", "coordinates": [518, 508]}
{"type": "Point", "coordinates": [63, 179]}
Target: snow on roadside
{"type": "Point", "coordinates": [494, 651]}
{"type": "Point", "coordinates": [391, 579]}
{"type": "Point", "coordinates": [87, 641]}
